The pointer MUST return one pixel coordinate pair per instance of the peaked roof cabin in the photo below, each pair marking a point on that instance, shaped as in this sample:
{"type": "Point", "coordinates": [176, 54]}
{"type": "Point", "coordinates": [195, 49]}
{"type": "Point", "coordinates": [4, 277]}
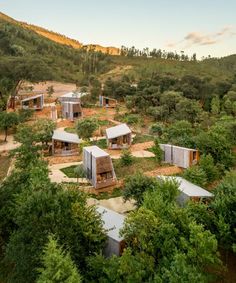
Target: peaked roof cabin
{"type": "Point", "coordinates": [119, 137]}
{"type": "Point", "coordinates": [33, 102]}
{"type": "Point", "coordinates": [112, 223]}
{"type": "Point", "coordinates": [71, 105]}
{"type": "Point", "coordinates": [187, 189]}
{"type": "Point", "coordinates": [98, 167]}
{"type": "Point", "coordinates": [64, 143]}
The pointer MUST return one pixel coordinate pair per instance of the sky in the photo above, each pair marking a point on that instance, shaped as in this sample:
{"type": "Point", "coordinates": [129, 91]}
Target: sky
{"type": "Point", "coordinates": [204, 27]}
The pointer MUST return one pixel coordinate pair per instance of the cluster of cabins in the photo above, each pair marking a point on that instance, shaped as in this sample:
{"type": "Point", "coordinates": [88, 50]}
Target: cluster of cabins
{"type": "Point", "coordinates": [98, 164]}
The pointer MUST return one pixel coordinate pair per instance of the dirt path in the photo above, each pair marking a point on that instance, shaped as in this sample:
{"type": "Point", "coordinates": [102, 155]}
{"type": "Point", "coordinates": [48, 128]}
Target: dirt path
{"type": "Point", "coordinates": [9, 145]}
{"type": "Point", "coordinates": [170, 170]}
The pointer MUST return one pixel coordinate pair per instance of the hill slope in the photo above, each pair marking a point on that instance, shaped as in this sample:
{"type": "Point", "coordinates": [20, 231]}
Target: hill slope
{"type": "Point", "coordinates": [61, 38]}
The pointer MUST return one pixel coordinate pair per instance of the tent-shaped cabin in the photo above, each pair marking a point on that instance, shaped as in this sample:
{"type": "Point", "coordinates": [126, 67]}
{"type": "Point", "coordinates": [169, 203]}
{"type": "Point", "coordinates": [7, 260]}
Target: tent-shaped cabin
{"type": "Point", "coordinates": [180, 156]}
{"type": "Point", "coordinates": [112, 224]}
{"type": "Point", "coordinates": [98, 167]}
{"type": "Point", "coordinates": [33, 102]}
{"type": "Point", "coordinates": [105, 101]}
{"type": "Point", "coordinates": [188, 190]}
{"type": "Point", "coordinates": [71, 105]}
{"type": "Point", "coordinates": [64, 144]}
{"type": "Point", "coordinates": [119, 137]}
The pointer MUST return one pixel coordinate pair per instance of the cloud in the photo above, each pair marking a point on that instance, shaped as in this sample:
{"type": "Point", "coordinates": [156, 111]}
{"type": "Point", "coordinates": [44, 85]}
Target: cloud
{"type": "Point", "coordinates": [199, 38]}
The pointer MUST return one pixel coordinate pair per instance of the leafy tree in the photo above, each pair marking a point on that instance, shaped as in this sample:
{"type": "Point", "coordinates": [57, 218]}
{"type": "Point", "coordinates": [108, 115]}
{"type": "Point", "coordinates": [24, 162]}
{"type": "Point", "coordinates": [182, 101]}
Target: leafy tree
{"type": "Point", "coordinates": [196, 175]}
{"type": "Point", "coordinates": [50, 90]}
{"type": "Point", "coordinates": [224, 207]}
{"type": "Point", "coordinates": [126, 157]}
{"type": "Point", "coordinates": [80, 172]}
{"type": "Point", "coordinates": [7, 121]}
{"type": "Point", "coordinates": [43, 130]}
{"type": "Point", "coordinates": [215, 105]}
{"type": "Point", "coordinates": [25, 115]}
{"type": "Point", "coordinates": [86, 127]}
{"type": "Point", "coordinates": [136, 185]}
{"type": "Point", "coordinates": [157, 151]}
{"type": "Point", "coordinates": [57, 265]}
{"type": "Point", "coordinates": [206, 163]}
{"type": "Point", "coordinates": [157, 129]}
{"type": "Point", "coordinates": [180, 133]}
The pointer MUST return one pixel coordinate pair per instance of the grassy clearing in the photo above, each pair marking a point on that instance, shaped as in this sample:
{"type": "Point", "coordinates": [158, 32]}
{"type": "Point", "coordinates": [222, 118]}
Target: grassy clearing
{"type": "Point", "coordinates": [70, 130]}
{"type": "Point", "coordinates": [70, 171]}
{"type": "Point", "coordinates": [4, 166]}
{"type": "Point", "coordinates": [142, 138]}
{"type": "Point", "coordinates": [139, 165]}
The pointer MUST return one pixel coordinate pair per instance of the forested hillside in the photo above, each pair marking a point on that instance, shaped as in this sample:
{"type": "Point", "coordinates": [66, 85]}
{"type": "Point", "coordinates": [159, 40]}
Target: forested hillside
{"type": "Point", "coordinates": [25, 55]}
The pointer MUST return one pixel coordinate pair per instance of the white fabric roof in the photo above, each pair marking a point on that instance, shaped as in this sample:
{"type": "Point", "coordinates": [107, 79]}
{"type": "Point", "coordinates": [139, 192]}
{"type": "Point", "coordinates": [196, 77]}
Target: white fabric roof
{"type": "Point", "coordinates": [187, 187]}
{"type": "Point", "coordinates": [74, 94]}
{"type": "Point", "coordinates": [112, 221]}
{"type": "Point", "coordinates": [32, 97]}
{"type": "Point", "coordinates": [117, 131]}
{"type": "Point", "coordinates": [66, 137]}
{"type": "Point", "coordinates": [96, 151]}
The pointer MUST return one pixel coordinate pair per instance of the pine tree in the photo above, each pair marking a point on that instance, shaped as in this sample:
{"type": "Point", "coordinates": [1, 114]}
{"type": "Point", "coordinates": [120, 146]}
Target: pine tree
{"type": "Point", "coordinates": [58, 266]}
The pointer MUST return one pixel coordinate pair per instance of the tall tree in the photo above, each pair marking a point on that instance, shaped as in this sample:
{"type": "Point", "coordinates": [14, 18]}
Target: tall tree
{"type": "Point", "coordinates": [57, 265]}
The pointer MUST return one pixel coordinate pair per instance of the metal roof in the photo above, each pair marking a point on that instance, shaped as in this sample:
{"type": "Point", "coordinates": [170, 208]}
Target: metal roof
{"type": "Point", "coordinates": [187, 187]}
{"type": "Point", "coordinates": [96, 151]}
{"type": "Point", "coordinates": [74, 94]}
{"type": "Point", "coordinates": [176, 146]}
{"type": "Point", "coordinates": [65, 137]}
{"type": "Point", "coordinates": [112, 222]}
{"type": "Point", "coordinates": [32, 97]}
{"type": "Point", "coordinates": [117, 131]}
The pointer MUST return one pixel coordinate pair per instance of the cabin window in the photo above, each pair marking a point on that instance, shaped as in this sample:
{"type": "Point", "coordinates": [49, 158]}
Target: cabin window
{"type": "Point", "coordinates": [194, 155]}
{"type": "Point", "coordinates": [76, 114]}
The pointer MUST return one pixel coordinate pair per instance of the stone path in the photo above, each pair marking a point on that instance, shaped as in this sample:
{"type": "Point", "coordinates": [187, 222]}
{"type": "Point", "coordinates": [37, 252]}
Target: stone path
{"type": "Point", "coordinates": [57, 176]}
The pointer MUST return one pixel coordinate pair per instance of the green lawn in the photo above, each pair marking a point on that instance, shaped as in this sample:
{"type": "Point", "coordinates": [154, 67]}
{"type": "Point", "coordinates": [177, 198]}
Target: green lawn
{"type": "Point", "coordinates": [4, 165]}
{"type": "Point", "coordinates": [70, 171]}
{"type": "Point", "coordinates": [70, 130]}
{"type": "Point", "coordinates": [139, 165]}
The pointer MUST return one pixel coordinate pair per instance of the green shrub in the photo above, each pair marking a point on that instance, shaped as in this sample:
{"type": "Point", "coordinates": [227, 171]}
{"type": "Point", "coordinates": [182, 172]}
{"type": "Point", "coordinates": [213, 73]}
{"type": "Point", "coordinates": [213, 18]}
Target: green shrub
{"type": "Point", "coordinates": [157, 129]}
{"type": "Point", "coordinates": [207, 165]}
{"type": "Point", "coordinates": [126, 158]}
{"type": "Point", "coordinates": [196, 175]}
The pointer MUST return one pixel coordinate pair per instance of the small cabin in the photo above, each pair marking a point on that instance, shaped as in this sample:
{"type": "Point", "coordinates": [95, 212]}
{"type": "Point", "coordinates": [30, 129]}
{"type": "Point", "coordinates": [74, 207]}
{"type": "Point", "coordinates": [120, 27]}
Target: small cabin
{"type": "Point", "coordinates": [112, 224]}
{"type": "Point", "coordinates": [35, 102]}
{"type": "Point", "coordinates": [107, 102]}
{"type": "Point", "coordinates": [72, 97]}
{"type": "Point", "coordinates": [71, 110]}
{"type": "Point", "coordinates": [98, 167]}
{"type": "Point", "coordinates": [64, 144]}
{"type": "Point", "coordinates": [180, 156]}
{"type": "Point", "coordinates": [119, 137]}
{"type": "Point", "coordinates": [188, 190]}
{"type": "Point", "coordinates": [71, 105]}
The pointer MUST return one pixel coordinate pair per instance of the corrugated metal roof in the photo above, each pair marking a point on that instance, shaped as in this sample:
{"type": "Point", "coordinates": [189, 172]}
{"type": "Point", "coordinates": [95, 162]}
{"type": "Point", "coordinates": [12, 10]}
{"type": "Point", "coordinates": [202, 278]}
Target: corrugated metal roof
{"type": "Point", "coordinates": [66, 137]}
{"type": "Point", "coordinates": [187, 187]}
{"type": "Point", "coordinates": [176, 146]}
{"type": "Point", "coordinates": [74, 94]}
{"type": "Point", "coordinates": [32, 97]}
{"type": "Point", "coordinates": [112, 221]}
{"type": "Point", "coordinates": [117, 131]}
{"type": "Point", "coordinates": [96, 151]}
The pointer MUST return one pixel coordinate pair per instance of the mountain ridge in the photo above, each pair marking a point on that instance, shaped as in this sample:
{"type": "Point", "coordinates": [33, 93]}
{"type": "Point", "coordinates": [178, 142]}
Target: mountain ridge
{"type": "Point", "coordinates": [60, 38]}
